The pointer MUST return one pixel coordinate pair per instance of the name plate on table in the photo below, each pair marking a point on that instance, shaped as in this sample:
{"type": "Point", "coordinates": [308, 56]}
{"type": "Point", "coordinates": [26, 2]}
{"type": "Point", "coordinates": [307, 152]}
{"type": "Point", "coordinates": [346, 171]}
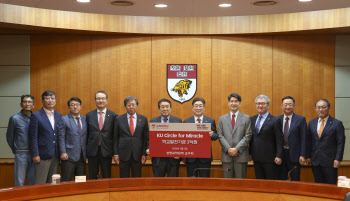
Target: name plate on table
{"type": "Point", "coordinates": [185, 140]}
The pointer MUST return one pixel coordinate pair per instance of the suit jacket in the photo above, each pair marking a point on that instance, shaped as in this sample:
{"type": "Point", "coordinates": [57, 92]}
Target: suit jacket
{"type": "Point", "coordinates": [42, 138]}
{"type": "Point", "coordinates": [172, 119]}
{"type": "Point", "coordinates": [330, 146]}
{"type": "Point", "coordinates": [238, 138]}
{"type": "Point", "coordinates": [297, 136]}
{"type": "Point", "coordinates": [213, 137]}
{"type": "Point", "coordinates": [266, 145]}
{"type": "Point", "coordinates": [70, 141]}
{"type": "Point", "coordinates": [126, 144]}
{"type": "Point", "coordinates": [105, 136]}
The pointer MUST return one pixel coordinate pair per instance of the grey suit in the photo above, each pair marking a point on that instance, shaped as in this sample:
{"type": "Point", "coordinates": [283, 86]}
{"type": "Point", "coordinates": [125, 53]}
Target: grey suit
{"type": "Point", "coordinates": [73, 143]}
{"type": "Point", "coordinates": [162, 165]}
{"type": "Point", "coordinates": [238, 138]}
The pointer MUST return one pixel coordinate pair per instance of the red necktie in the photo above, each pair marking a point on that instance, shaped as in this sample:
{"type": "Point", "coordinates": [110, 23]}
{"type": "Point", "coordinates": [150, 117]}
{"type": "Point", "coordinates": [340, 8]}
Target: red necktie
{"type": "Point", "coordinates": [233, 121]}
{"type": "Point", "coordinates": [100, 124]}
{"type": "Point", "coordinates": [131, 125]}
{"type": "Point", "coordinates": [199, 120]}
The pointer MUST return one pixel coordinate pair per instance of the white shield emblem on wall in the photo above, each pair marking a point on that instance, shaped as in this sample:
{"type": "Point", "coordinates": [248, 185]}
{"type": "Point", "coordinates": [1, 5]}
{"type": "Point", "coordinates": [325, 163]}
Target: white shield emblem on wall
{"type": "Point", "coordinates": [182, 81]}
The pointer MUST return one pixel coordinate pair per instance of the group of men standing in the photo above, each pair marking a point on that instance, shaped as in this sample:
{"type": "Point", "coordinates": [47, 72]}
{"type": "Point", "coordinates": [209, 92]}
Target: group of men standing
{"type": "Point", "coordinates": [277, 145]}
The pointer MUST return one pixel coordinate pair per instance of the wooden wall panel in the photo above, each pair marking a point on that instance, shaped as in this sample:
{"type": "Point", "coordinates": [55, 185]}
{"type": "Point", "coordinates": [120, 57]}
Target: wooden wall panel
{"type": "Point", "coordinates": [61, 64]}
{"type": "Point", "coordinates": [240, 65]}
{"type": "Point", "coordinates": [181, 50]}
{"type": "Point", "coordinates": [303, 67]}
{"type": "Point", "coordinates": [121, 66]}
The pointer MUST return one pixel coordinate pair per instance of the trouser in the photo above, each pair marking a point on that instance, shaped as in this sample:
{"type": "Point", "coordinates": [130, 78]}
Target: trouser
{"type": "Point", "coordinates": [192, 166]}
{"type": "Point", "coordinates": [235, 168]}
{"type": "Point", "coordinates": [95, 161]}
{"type": "Point", "coordinates": [24, 164]}
{"type": "Point", "coordinates": [166, 167]}
{"type": "Point", "coordinates": [265, 170]}
{"type": "Point", "coordinates": [287, 166]}
{"type": "Point", "coordinates": [132, 164]}
{"type": "Point", "coordinates": [70, 168]}
{"type": "Point", "coordinates": [45, 169]}
{"type": "Point", "coordinates": [326, 175]}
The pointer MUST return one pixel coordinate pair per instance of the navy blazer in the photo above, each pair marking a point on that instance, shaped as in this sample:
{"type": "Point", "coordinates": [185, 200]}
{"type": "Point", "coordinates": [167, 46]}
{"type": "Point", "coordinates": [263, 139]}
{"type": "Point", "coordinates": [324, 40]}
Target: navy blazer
{"type": "Point", "coordinates": [266, 145]}
{"type": "Point", "coordinates": [297, 136]}
{"type": "Point", "coordinates": [213, 137]}
{"type": "Point", "coordinates": [330, 146]}
{"type": "Point", "coordinates": [70, 141]}
{"type": "Point", "coordinates": [172, 119]}
{"type": "Point", "coordinates": [42, 138]}
{"type": "Point", "coordinates": [125, 143]}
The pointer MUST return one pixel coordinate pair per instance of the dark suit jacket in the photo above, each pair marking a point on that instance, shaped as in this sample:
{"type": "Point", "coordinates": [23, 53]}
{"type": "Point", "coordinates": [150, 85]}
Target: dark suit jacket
{"type": "Point", "coordinates": [297, 136]}
{"type": "Point", "coordinates": [330, 146]}
{"type": "Point", "coordinates": [94, 134]}
{"type": "Point", "coordinates": [268, 143]}
{"type": "Point", "coordinates": [69, 139]}
{"type": "Point", "coordinates": [213, 137]}
{"type": "Point", "coordinates": [42, 138]}
{"type": "Point", "coordinates": [126, 144]}
{"type": "Point", "coordinates": [172, 119]}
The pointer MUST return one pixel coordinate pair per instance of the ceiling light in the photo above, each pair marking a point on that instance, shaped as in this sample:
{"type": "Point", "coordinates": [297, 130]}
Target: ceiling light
{"type": "Point", "coordinates": [304, 0]}
{"type": "Point", "coordinates": [225, 5]}
{"type": "Point", "coordinates": [83, 1]}
{"type": "Point", "coordinates": [161, 5]}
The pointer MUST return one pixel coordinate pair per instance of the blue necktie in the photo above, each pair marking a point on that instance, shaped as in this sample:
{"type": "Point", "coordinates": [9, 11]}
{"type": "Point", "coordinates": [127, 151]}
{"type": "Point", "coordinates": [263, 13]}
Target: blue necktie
{"type": "Point", "coordinates": [257, 127]}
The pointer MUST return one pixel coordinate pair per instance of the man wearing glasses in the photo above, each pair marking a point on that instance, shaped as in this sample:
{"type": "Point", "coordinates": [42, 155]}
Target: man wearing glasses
{"type": "Point", "coordinates": [326, 142]}
{"type": "Point", "coordinates": [130, 139]}
{"type": "Point", "coordinates": [17, 138]}
{"type": "Point", "coordinates": [72, 141]}
{"type": "Point", "coordinates": [43, 139]}
{"type": "Point", "coordinates": [100, 125]}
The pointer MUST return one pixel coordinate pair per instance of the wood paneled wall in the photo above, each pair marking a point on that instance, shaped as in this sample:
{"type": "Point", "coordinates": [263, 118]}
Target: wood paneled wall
{"type": "Point", "coordinates": [300, 66]}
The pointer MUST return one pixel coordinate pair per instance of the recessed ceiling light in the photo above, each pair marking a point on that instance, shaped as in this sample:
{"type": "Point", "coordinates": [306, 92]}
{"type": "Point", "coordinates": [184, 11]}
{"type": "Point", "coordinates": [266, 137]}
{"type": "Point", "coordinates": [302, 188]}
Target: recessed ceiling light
{"type": "Point", "coordinates": [122, 3]}
{"type": "Point", "coordinates": [161, 5]}
{"type": "Point", "coordinates": [264, 3]}
{"type": "Point", "coordinates": [304, 0]}
{"type": "Point", "coordinates": [83, 1]}
{"type": "Point", "coordinates": [225, 5]}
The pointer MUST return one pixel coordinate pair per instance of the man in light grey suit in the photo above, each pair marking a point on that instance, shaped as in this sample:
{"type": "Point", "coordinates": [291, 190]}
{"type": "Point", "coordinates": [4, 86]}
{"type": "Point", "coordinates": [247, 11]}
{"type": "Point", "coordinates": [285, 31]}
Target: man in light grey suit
{"type": "Point", "coordinates": [72, 135]}
{"type": "Point", "coordinates": [162, 165]}
{"type": "Point", "coordinates": [234, 131]}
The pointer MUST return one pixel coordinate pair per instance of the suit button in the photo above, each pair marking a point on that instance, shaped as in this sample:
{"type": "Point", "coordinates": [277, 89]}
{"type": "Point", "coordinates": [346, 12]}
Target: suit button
{"type": "Point", "coordinates": [54, 134]}
{"type": "Point", "coordinates": [53, 141]}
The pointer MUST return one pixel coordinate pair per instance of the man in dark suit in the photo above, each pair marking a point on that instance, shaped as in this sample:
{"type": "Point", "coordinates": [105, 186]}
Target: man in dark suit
{"type": "Point", "coordinates": [198, 108]}
{"type": "Point", "coordinates": [294, 130]}
{"type": "Point", "coordinates": [326, 141]}
{"type": "Point", "coordinates": [100, 128]}
{"type": "Point", "coordinates": [162, 165]}
{"type": "Point", "coordinates": [43, 139]}
{"type": "Point", "coordinates": [234, 132]}
{"type": "Point", "coordinates": [266, 145]}
{"type": "Point", "coordinates": [130, 139]}
{"type": "Point", "coordinates": [72, 135]}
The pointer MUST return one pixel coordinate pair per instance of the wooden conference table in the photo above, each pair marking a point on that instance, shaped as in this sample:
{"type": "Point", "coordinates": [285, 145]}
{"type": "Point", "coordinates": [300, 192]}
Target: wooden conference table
{"type": "Point", "coordinates": [177, 189]}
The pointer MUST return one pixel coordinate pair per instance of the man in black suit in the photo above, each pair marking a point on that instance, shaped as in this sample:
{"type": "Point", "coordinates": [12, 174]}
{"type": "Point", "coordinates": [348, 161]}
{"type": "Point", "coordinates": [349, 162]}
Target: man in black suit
{"type": "Point", "coordinates": [198, 108]}
{"type": "Point", "coordinates": [130, 139]}
{"type": "Point", "coordinates": [294, 130]}
{"type": "Point", "coordinates": [266, 145]}
{"type": "Point", "coordinates": [163, 165]}
{"type": "Point", "coordinates": [326, 141]}
{"type": "Point", "coordinates": [100, 125]}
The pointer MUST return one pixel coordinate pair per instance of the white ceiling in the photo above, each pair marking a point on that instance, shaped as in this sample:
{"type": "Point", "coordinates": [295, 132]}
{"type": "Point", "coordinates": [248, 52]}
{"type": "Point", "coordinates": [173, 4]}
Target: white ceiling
{"type": "Point", "coordinates": [183, 8]}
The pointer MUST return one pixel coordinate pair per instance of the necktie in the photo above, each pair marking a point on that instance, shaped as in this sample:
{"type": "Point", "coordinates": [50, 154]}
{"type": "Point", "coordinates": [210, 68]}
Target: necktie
{"type": "Point", "coordinates": [79, 125]}
{"type": "Point", "coordinates": [165, 120]}
{"type": "Point", "coordinates": [321, 128]}
{"type": "Point", "coordinates": [286, 132]}
{"type": "Point", "coordinates": [100, 120]}
{"type": "Point", "coordinates": [199, 120]}
{"type": "Point", "coordinates": [131, 125]}
{"type": "Point", "coordinates": [257, 126]}
{"type": "Point", "coordinates": [233, 121]}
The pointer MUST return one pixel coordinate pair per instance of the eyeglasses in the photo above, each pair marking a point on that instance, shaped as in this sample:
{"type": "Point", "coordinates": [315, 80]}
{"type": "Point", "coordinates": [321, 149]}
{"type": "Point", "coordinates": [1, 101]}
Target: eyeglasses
{"type": "Point", "coordinates": [74, 105]}
{"type": "Point", "coordinates": [27, 102]}
{"type": "Point", "coordinates": [262, 104]}
{"type": "Point", "coordinates": [49, 98]}
{"type": "Point", "coordinates": [322, 108]}
{"type": "Point", "coordinates": [101, 99]}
